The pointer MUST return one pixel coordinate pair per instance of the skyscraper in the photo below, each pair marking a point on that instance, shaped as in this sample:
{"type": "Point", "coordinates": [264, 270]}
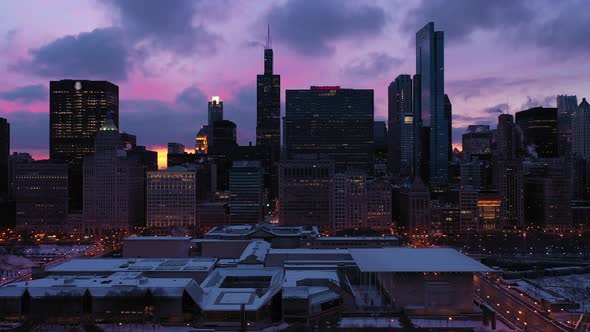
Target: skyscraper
{"type": "Point", "coordinates": [477, 140]}
{"type": "Point", "coordinates": [113, 185]}
{"type": "Point", "coordinates": [581, 131]}
{"type": "Point", "coordinates": [566, 107]}
{"type": "Point", "coordinates": [305, 192]}
{"type": "Point", "coordinates": [449, 117]}
{"type": "Point", "coordinates": [4, 157]}
{"type": "Point", "coordinates": [41, 195]}
{"type": "Point", "coordinates": [77, 110]}
{"type": "Point", "coordinates": [431, 108]}
{"type": "Point", "coordinates": [215, 110]}
{"type": "Point", "coordinates": [246, 186]}
{"type": "Point", "coordinates": [508, 173]}
{"type": "Point", "coordinates": [401, 150]}
{"type": "Point", "coordinates": [333, 122]}
{"type": "Point", "coordinates": [268, 108]}
{"type": "Point", "coordinates": [539, 128]}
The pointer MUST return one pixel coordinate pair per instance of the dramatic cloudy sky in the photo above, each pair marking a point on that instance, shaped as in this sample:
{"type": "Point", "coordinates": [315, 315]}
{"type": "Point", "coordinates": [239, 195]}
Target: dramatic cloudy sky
{"type": "Point", "coordinates": [168, 56]}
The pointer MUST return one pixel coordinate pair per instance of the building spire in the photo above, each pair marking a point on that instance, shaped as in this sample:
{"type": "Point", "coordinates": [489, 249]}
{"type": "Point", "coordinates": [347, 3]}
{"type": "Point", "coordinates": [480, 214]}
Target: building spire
{"type": "Point", "coordinates": [268, 39]}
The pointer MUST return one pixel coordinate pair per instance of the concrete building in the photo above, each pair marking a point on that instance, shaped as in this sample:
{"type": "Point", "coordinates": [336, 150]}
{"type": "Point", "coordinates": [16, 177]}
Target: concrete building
{"type": "Point", "coordinates": [114, 186]}
{"type": "Point", "coordinates": [306, 192]}
{"type": "Point", "coordinates": [246, 186]}
{"type": "Point", "coordinates": [350, 201]}
{"type": "Point", "coordinates": [172, 199]}
{"type": "Point", "coordinates": [477, 140]}
{"type": "Point", "coordinates": [41, 193]}
{"type": "Point", "coordinates": [414, 206]}
{"type": "Point", "coordinates": [379, 203]}
{"type": "Point", "coordinates": [468, 208]}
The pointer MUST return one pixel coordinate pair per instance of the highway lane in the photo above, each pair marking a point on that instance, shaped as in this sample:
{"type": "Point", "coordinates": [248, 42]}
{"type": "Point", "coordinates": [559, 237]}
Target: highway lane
{"type": "Point", "coordinates": [521, 314]}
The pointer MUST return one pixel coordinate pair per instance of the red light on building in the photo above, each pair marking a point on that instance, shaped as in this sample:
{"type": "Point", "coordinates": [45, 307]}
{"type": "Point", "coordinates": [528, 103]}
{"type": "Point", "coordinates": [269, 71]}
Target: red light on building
{"type": "Point", "coordinates": [326, 87]}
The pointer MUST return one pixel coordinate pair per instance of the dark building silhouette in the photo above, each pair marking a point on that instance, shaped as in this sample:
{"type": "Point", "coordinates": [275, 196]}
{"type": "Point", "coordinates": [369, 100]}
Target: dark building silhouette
{"type": "Point", "coordinates": [477, 140]}
{"type": "Point", "coordinates": [268, 119]}
{"type": "Point", "coordinates": [331, 121]}
{"type": "Point", "coordinates": [223, 138]}
{"type": "Point", "coordinates": [539, 128]}
{"type": "Point", "coordinates": [431, 105]}
{"type": "Point", "coordinates": [449, 117]}
{"type": "Point", "coordinates": [77, 110]}
{"type": "Point", "coordinates": [4, 158]}
{"type": "Point", "coordinates": [566, 107]}
{"type": "Point", "coordinates": [380, 139]}
{"type": "Point", "coordinates": [401, 150]}
{"type": "Point", "coordinates": [215, 110]}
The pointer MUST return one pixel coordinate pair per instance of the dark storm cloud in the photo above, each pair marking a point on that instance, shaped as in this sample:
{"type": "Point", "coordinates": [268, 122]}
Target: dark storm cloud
{"type": "Point", "coordinates": [28, 130]}
{"type": "Point", "coordinates": [26, 94]}
{"type": "Point", "coordinates": [310, 27]}
{"type": "Point", "coordinates": [99, 54]}
{"type": "Point", "coordinates": [165, 25]}
{"type": "Point", "coordinates": [241, 109]}
{"type": "Point", "coordinates": [192, 97]}
{"type": "Point", "coordinates": [481, 86]}
{"type": "Point", "coordinates": [496, 109]}
{"type": "Point", "coordinates": [459, 18]}
{"type": "Point", "coordinates": [157, 123]}
{"type": "Point", "coordinates": [373, 65]}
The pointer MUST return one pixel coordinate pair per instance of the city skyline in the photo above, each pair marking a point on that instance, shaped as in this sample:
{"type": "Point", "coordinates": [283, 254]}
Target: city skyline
{"type": "Point", "coordinates": [165, 70]}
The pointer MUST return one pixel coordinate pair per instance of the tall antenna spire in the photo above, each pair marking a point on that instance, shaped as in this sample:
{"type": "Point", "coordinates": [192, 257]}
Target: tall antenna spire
{"type": "Point", "coordinates": [268, 39]}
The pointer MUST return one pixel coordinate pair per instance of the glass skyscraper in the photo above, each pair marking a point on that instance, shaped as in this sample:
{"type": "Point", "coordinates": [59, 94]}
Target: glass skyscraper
{"type": "Point", "coordinates": [401, 127]}
{"type": "Point", "coordinates": [434, 122]}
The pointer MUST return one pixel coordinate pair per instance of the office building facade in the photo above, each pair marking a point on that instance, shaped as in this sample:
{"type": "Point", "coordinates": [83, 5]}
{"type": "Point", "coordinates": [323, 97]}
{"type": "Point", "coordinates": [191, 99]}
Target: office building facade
{"type": "Point", "coordinates": [4, 158]}
{"type": "Point", "coordinates": [332, 122]}
{"type": "Point", "coordinates": [171, 198]}
{"type": "Point", "coordinates": [539, 129]}
{"type": "Point", "coordinates": [566, 107]}
{"type": "Point", "coordinates": [246, 186]}
{"type": "Point", "coordinates": [581, 131]}
{"type": "Point", "coordinates": [401, 150]}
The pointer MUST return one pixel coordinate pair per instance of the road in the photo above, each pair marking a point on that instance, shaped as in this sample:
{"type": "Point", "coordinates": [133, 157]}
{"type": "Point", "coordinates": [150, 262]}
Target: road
{"type": "Point", "coordinates": [521, 314]}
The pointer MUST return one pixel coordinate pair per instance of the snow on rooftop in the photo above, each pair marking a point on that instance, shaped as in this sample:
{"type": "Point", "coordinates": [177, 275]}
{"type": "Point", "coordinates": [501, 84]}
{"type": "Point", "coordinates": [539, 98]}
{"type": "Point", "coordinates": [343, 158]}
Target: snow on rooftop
{"type": "Point", "coordinates": [158, 238]}
{"type": "Point", "coordinates": [100, 265]}
{"type": "Point", "coordinates": [395, 259]}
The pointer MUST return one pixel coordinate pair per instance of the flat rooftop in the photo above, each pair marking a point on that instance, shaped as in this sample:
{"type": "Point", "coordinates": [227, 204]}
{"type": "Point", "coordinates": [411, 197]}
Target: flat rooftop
{"type": "Point", "coordinates": [101, 265]}
{"type": "Point", "coordinates": [358, 238]}
{"type": "Point", "coordinates": [158, 238]}
{"type": "Point", "coordinates": [396, 259]}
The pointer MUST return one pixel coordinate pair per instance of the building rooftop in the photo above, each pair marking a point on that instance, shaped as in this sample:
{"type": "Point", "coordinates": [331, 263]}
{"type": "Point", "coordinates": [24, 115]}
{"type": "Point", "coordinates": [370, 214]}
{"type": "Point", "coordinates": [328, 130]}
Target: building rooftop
{"type": "Point", "coordinates": [262, 230]}
{"type": "Point", "coordinates": [396, 259]}
{"type": "Point", "coordinates": [358, 238]}
{"type": "Point", "coordinates": [101, 265]}
{"type": "Point", "coordinates": [229, 288]}
{"type": "Point", "coordinates": [158, 238]}
{"type": "Point", "coordinates": [100, 286]}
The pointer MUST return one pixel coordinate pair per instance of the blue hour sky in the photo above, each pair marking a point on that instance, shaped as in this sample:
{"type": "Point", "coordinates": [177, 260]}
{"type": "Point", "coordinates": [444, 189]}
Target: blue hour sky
{"type": "Point", "coordinates": [169, 57]}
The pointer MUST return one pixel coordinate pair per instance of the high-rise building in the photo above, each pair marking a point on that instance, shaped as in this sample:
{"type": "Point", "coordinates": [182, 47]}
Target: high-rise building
{"type": "Point", "coordinates": [539, 128]}
{"type": "Point", "coordinates": [77, 110]}
{"type": "Point", "coordinates": [477, 172]}
{"type": "Point", "coordinates": [305, 192]}
{"type": "Point", "coordinates": [350, 200]}
{"type": "Point", "coordinates": [333, 122]}
{"type": "Point", "coordinates": [488, 210]}
{"type": "Point", "coordinates": [215, 110]}
{"type": "Point", "coordinates": [175, 148]}
{"type": "Point", "coordinates": [113, 185]}
{"type": "Point", "coordinates": [223, 138]}
{"type": "Point", "coordinates": [468, 207]}
{"type": "Point", "coordinates": [268, 108]}
{"type": "Point", "coordinates": [246, 186]}
{"type": "Point", "coordinates": [401, 150]}
{"type": "Point", "coordinates": [548, 194]}
{"type": "Point", "coordinates": [477, 140]}
{"type": "Point", "coordinates": [172, 199]}
{"type": "Point", "coordinates": [508, 173]}
{"type": "Point", "coordinates": [379, 203]}
{"type": "Point", "coordinates": [414, 205]}
{"type": "Point", "coordinates": [449, 117]}
{"type": "Point", "coordinates": [581, 131]}
{"type": "Point", "coordinates": [566, 107]}
{"type": "Point", "coordinates": [4, 158]}
{"type": "Point", "coordinates": [41, 195]}
{"type": "Point", "coordinates": [202, 141]}
{"type": "Point", "coordinates": [431, 104]}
